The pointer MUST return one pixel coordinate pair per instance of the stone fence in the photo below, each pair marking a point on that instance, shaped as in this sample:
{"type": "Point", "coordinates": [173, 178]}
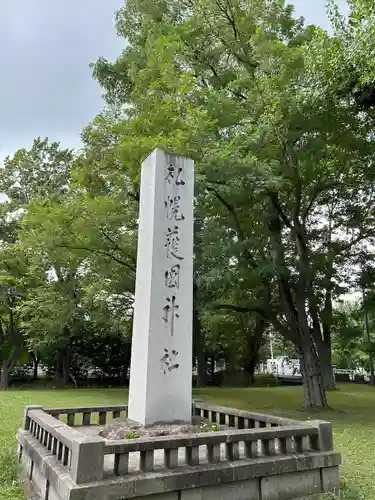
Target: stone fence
{"type": "Point", "coordinates": [260, 457]}
{"type": "Point", "coordinates": [90, 415]}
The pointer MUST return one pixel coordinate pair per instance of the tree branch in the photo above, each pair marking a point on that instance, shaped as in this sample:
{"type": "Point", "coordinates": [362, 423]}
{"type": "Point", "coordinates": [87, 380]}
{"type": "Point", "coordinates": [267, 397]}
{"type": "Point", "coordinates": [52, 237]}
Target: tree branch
{"type": "Point", "coordinates": [197, 56]}
{"type": "Point", "coordinates": [110, 239]}
{"type": "Point", "coordinates": [318, 190]}
{"type": "Point", "coordinates": [274, 197]}
{"type": "Point", "coordinates": [100, 252]}
{"type": "Point", "coordinates": [231, 20]}
{"type": "Point", "coordinates": [239, 230]}
{"type": "Point", "coordinates": [270, 316]}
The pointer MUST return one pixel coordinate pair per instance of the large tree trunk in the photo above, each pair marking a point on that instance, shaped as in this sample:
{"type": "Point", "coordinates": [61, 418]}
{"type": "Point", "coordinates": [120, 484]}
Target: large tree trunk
{"type": "Point", "coordinates": [314, 392]}
{"type": "Point", "coordinates": [62, 367]}
{"type": "Point", "coordinates": [36, 360]}
{"type": "Point", "coordinates": [15, 340]}
{"type": "Point", "coordinates": [253, 343]}
{"type": "Point", "coordinates": [325, 356]}
{"type": "Point", "coordinates": [4, 376]}
{"type": "Point", "coordinates": [296, 295]}
{"type": "Point", "coordinates": [325, 345]}
{"type": "Point", "coordinates": [66, 367]}
{"type": "Point", "coordinates": [249, 370]}
{"type": "Point", "coordinates": [314, 389]}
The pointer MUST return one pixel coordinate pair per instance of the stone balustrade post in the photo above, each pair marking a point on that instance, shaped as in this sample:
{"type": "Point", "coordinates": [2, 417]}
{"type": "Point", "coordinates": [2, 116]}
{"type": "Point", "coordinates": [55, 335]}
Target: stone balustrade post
{"type": "Point", "coordinates": [26, 418]}
{"type": "Point", "coordinates": [87, 464]}
{"type": "Point", "coordinates": [325, 436]}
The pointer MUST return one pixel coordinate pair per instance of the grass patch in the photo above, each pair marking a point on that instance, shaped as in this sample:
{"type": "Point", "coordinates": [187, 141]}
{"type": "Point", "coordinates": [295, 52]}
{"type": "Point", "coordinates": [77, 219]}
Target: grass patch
{"type": "Point", "coordinates": [352, 416]}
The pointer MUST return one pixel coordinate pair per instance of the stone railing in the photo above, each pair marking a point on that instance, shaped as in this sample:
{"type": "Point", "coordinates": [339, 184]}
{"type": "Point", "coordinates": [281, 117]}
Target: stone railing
{"type": "Point", "coordinates": [89, 415]}
{"type": "Point", "coordinates": [59, 459]}
{"type": "Point", "coordinates": [239, 419]}
{"type": "Point", "coordinates": [203, 448]}
{"type": "Point", "coordinates": [81, 456]}
{"type": "Point", "coordinates": [51, 434]}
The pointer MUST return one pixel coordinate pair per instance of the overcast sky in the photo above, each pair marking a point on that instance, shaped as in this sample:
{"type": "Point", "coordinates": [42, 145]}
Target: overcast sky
{"type": "Point", "coordinates": [46, 46]}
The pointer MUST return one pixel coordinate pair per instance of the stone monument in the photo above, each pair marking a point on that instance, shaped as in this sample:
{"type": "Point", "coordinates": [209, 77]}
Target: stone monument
{"type": "Point", "coordinates": [161, 358]}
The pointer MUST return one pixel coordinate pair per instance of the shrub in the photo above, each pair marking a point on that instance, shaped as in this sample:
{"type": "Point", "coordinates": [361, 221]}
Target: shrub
{"type": "Point", "coordinates": [265, 380]}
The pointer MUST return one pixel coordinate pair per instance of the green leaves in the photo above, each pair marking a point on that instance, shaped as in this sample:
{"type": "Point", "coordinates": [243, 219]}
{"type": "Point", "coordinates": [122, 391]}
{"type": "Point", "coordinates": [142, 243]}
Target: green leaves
{"type": "Point", "coordinates": [348, 343]}
{"type": "Point", "coordinates": [271, 111]}
{"type": "Point", "coordinates": [30, 174]}
{"type": "Point", "coordinates": [252, 96]}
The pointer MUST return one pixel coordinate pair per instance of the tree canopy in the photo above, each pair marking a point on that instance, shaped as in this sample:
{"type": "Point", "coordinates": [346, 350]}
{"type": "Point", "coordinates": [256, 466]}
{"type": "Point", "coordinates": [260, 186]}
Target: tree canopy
{"type": "Point", "coordinates": [278, 117]}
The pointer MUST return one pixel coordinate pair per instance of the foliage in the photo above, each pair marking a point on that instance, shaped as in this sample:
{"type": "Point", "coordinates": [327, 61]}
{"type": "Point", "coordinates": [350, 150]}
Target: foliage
{"type": "Point", "coordinates": [270, 111]}
{"type": "Point", "coordinates": [12, 290]}
{"type": "Point", "coordinates": [245, 89]}
{"type": "Point", "coordinates": [349, 348]}
{"type": "Point", "coordinates": [131, 435]}
{"type": "Point", "coordinates": [39, 173]}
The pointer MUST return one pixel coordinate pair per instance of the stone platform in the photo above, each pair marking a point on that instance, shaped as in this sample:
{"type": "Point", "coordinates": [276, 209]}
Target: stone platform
{"type": "Point", "coordinates": [259, 457]}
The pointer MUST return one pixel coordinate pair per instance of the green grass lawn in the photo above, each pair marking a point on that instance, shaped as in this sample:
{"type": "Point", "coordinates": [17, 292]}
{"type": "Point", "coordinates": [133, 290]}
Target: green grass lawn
{"type": "Point", "coordinates": [353, 418]}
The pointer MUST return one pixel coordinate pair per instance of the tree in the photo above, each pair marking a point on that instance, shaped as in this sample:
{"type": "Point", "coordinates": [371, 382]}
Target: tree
{"type": "Point", "coordinates": [245, 89]}
{"type": "Point", "coordinates": [42, 171]}
{"type": "Point", "coordinates": [349, 351]}
{"type": "Point", "coordinates": [83, 245]}
{"type": "Point", "coordinates": [231, 291]}
{"type": "Point", "coordinates": [52, 313]}
{"type": "Point", "coordinates": [12, 289]}
{"type": "Point", "coordinates": [352, 72]}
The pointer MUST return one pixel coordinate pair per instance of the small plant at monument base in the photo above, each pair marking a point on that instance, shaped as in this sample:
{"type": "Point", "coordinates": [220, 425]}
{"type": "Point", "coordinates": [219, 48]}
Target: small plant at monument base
{"type": "Point", "coordinates": [208, 427]}
{"type": "Point", "coordinates": [131, 435]}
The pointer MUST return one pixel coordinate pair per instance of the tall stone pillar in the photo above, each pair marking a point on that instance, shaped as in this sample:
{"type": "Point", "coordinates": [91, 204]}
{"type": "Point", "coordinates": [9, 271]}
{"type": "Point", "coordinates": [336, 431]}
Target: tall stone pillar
{"type": "Point", "coordinates": [161, 359]}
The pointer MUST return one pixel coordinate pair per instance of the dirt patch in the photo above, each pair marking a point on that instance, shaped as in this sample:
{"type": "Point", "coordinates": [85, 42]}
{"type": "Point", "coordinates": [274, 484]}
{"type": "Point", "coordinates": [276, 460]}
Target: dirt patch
{"type": "Point", "coordinates": [126, 429]}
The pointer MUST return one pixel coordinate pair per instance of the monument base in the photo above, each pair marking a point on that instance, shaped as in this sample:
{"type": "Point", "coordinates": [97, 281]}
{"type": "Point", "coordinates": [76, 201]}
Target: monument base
{"type": "Point", "coordinates": [128, 429]}
{"type": "Point", "coordinates": [260, 457]}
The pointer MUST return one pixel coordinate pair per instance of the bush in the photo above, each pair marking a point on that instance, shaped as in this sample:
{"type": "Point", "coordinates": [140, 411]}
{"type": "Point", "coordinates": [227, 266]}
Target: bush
{"type": "Point", "coordinates": [360, 379]}
{"type": "Point", "coordinates": [216, 380]}
{"type": "Point", "coordinates": [237, 379]}
{"type": "Point", "coordinates": [22, 373]}
{"type": "Point", "coordinates": [265, 380]}
{"type": "Point", "coordinates": [233, 378]}
{"type": "Point", "coordinates": [342, 377]}
{"type": "Point", "coordinates": [102, 382]}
